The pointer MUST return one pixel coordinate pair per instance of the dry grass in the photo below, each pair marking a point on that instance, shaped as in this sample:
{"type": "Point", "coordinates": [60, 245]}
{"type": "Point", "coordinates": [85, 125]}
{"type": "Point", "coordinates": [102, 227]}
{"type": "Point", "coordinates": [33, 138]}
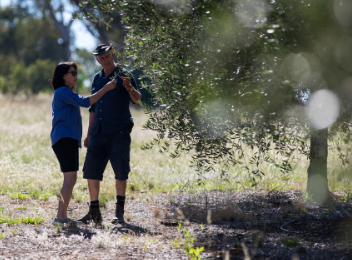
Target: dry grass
{"type": "Point", "coordinates": [155, 209]}
{"type": "Point", "coordinates": [29, 166]}
{"type": "Point", "coordinates": [29, 169]}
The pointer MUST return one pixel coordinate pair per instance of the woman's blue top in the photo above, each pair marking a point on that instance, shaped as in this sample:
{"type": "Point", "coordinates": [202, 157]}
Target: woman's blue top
{"type": "Point", "coordinates": [66, 114]}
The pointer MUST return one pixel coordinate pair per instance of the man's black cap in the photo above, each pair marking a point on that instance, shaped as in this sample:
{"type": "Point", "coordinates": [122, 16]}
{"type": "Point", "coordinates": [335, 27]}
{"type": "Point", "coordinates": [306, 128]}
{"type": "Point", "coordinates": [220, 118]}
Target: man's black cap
{"type": "Point", "coordinates": [102, 48]}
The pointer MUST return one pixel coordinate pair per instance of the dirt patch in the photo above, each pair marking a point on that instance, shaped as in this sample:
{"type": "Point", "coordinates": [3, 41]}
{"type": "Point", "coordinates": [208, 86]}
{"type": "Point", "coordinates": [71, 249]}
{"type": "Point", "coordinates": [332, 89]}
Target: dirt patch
{"type": "Point", "coordinates": [229, 225]}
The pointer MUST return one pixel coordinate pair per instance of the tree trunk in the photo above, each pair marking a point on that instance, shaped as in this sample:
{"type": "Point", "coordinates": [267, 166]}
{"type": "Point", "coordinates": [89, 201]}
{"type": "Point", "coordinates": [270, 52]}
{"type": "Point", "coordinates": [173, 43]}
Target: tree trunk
{"type": "Point", "coordinates": [103, 36]}
{"type": "Point", "coordinates": [67, 51]}
{"type": "Point", "coordinates": [65, 35]}
{"type": "Point", "coordinates": [63, 29]}
{"type": "Point", "coordinates": [317, 185]}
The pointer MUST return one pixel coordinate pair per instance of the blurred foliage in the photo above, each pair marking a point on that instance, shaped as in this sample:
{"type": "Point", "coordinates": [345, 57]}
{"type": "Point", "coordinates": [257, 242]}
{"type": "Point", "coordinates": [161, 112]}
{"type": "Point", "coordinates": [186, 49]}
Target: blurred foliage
{"type": "Point", "coordinates": [30, 79]}
{"type": "Point", "coordinates": [229, 74]}
{"type": "Point", "coordinates": [87, 68]}
{"type": "Point", "coordinates": [57, 12]}
{"type": "Point", "coordinates": [107, 31]}
{"type": "Point", "coordinates": [29, 51]}
{"type": "Point", "coordinates": [26, 38]}
{"type": "Point", "coordinates": [87, 63]}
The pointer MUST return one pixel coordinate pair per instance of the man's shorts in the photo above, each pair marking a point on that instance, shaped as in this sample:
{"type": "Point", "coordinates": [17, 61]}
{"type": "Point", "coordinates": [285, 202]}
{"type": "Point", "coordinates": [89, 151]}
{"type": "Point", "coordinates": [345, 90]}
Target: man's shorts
{"type": "Point", "coordinates": [101, 149]}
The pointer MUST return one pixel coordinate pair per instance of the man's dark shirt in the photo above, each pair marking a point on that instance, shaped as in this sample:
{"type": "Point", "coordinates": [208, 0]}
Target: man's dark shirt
{"type": "Point", "coordinates": [112, 111]}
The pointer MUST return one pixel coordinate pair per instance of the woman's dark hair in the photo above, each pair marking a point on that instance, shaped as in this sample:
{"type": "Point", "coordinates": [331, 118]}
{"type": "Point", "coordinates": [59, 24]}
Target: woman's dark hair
{"type": "Point", "coordinates": [61, 69]}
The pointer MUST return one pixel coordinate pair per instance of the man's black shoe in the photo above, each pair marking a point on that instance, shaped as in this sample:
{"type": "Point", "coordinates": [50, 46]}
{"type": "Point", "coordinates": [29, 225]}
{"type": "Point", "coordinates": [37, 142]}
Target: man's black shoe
{"type": "Point", "coordinates": [93, 215]}
{"type": "Point", "coordinates": [118, 219]}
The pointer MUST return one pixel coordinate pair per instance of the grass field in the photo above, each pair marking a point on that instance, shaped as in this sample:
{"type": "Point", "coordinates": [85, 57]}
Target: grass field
{"type": "Point", "coordinates": [30, 180]}
{"type": "Point", "coordinates": [29, 168]}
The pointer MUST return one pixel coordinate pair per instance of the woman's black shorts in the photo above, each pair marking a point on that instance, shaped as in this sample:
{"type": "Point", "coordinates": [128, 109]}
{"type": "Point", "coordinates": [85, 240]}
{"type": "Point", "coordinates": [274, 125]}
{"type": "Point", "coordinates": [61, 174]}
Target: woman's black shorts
{"type": "Point", "coordinates": [66, 151]}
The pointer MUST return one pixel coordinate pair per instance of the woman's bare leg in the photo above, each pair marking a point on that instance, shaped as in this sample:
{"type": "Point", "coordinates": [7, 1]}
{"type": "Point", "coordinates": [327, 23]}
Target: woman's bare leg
{"type": "Point", "coordinates": [66, 193]}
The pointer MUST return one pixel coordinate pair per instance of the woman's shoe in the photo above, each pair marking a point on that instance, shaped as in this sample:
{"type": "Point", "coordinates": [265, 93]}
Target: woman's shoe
{"type": "Point", "coordinates": [60, 222]}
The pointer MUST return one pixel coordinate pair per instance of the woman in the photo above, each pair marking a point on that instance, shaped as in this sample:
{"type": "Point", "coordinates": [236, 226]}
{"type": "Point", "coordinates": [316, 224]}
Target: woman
{"type": "Point", "coordinates": [66, 133]}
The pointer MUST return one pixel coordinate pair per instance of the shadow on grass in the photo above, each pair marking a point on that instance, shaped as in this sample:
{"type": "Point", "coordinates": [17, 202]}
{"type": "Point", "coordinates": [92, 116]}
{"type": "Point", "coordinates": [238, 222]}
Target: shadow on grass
{"type": "Point", "coordinates": [132, 229]}
{"type": "Point", "coordinates": [88, 231]}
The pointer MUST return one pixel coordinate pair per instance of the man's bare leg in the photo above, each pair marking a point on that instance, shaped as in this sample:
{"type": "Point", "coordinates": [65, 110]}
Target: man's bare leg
{"type": "Point", "coordinates": [121, 187]}
{"type": "Point", "coordinates": [94, 188]}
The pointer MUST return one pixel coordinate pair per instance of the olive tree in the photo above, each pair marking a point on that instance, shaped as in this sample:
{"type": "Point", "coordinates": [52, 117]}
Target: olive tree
{"type": "Point", "coordinates": [229, 74]}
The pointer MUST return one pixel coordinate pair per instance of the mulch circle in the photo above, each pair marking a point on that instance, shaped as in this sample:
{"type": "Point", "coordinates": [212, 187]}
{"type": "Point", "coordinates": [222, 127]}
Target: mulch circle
{"type": "Point", "coordinates": [315, 227]}
{"type": "Point", "coordinates": [322, 228]}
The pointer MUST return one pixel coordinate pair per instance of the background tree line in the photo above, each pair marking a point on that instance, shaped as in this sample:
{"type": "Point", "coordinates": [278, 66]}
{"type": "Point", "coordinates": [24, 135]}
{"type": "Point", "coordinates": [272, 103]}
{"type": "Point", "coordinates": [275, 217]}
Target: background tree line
{"type": "Point", "coordinates": [35, 36]}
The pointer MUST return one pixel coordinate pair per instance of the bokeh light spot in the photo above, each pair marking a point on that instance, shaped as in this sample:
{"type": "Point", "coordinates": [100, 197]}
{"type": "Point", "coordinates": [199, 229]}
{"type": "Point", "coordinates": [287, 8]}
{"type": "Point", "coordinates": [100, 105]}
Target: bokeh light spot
{"type": "Point", "coordinates": [178, 7]}
{"type": "Point", "coordinates": [323, 109]}
{"type": "Point", "coordinates": [343, 11]}
{"type": "Point", "coordinates": [343, 53]}
{"type": "Point", "coordinates": [252, 13]}
{"type": "Point", "coordinates": [297, 67]}
{"type": "Point", "coordinates": [212, 118]}
{"type": "Point", "coordinates": [346, 87]}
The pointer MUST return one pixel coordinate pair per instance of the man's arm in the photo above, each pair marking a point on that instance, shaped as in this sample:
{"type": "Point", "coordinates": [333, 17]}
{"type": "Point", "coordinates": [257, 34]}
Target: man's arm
{"type": "Point", "coordinates": [90, 126]}
{"type": "Point", "coordinates": [134, 94]}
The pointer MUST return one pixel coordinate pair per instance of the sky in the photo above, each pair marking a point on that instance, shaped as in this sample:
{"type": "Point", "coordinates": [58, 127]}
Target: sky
{"type": "Point", "coordinates": [83, 38]}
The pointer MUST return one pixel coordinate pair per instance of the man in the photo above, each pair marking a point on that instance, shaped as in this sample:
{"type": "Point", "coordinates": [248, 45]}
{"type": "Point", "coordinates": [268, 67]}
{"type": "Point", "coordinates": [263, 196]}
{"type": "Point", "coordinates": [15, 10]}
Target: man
{"type": "Point", "coordinates": [108, 136]}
